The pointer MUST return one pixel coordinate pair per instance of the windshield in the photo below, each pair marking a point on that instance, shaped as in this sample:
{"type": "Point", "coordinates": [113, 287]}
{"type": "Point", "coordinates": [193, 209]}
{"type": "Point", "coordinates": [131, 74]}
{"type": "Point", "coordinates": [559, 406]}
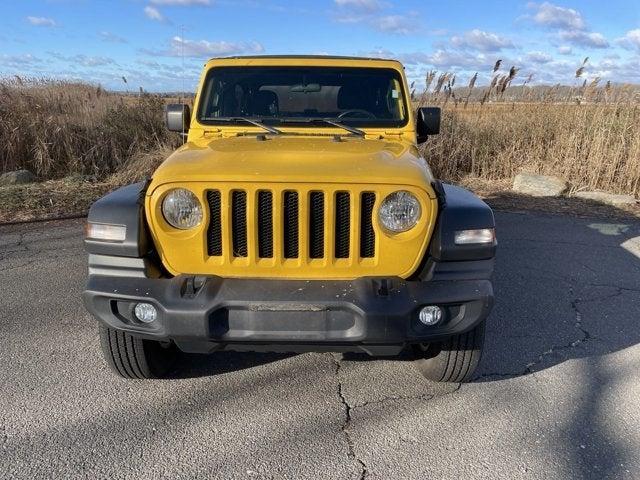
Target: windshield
{"type": "Point", "coordinates": [364, 97]}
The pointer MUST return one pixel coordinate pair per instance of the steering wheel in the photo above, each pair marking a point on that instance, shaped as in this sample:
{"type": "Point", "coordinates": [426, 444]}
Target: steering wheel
{"type": "Point", "coordinates": [347, 113]}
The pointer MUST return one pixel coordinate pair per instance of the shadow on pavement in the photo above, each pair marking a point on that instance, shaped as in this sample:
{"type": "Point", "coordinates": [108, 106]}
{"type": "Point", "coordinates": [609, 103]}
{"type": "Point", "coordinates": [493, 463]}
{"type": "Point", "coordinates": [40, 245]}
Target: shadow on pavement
{"type": "Point", "coordinates": [566, 288]}
{"type": "Point", "coordinates": [193, 365]}
{"type": "Point", "coordinates": [569, 291]}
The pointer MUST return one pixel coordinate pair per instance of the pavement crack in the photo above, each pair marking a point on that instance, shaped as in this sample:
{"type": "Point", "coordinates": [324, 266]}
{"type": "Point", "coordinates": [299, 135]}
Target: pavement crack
{"type": "Point", "coordinates": [392, 398]}
{"type": "Point", "coordinates": [584, 337]}
{"type": "Point", "coordinates": [497, 374]}
{"type": "Point", "coordinates": [347, 421]}
{"type": "Point", "coordinates": [618, 291]}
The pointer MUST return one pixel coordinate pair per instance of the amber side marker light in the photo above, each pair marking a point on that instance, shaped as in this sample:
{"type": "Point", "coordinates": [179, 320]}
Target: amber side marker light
{"type": "Point", "coordinates": [105, 232]}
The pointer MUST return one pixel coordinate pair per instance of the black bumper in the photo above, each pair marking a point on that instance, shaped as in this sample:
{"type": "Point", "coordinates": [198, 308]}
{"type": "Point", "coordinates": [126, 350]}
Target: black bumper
{"type": "Point", "coordinates": [378, 316]}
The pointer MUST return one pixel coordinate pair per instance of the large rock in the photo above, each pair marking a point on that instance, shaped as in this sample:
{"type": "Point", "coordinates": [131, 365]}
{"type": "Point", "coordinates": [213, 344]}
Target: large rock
{"type": "Point", "coordinates": [539, 185]}
{"type": "Point", "coordinates": [17, 177]}
{"type": "Point", "coordinates": [610, 198]}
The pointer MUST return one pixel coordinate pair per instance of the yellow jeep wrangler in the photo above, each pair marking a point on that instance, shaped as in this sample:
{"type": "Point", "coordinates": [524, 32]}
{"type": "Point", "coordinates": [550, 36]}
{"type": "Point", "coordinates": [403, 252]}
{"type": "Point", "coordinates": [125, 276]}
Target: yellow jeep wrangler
{"type": "Point", "coordinates": [298, 216]}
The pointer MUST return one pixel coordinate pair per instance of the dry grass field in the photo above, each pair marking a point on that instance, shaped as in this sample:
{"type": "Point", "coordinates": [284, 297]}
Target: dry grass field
{"type": "Point", "coordinates": [594, 146]}
{"type": "Point", "coordinates": [81, 140]}
{"type": "Point", "coordinates": [57, 129]}
{"type": "Point", "coordinates": [588, 134]}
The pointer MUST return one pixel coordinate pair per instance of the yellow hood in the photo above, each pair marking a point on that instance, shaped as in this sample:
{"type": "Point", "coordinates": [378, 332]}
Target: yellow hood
{"type": "Point", "coordinates": [308, 159]}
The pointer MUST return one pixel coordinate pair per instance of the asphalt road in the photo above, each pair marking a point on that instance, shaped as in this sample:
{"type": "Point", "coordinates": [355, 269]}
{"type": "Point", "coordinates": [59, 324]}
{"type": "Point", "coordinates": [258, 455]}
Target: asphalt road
{"type": "Point", "coordinates": [558, 395]}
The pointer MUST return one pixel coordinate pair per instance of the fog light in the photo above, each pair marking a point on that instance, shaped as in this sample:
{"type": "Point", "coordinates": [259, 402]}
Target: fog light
{"type": "Point", "coordinates": [430, 315]}
{"type": "Point", "coordinates": [145, 312]}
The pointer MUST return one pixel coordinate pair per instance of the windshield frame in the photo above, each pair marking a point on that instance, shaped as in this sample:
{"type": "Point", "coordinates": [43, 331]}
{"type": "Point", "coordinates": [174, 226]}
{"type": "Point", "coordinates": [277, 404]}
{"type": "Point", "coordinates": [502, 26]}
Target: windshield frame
{"type": "Point", "coordinates": [360, 123]}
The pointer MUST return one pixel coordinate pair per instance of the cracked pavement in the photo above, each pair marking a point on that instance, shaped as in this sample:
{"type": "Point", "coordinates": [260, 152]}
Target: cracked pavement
{"type": "Point", "coordinates": [557, 394]}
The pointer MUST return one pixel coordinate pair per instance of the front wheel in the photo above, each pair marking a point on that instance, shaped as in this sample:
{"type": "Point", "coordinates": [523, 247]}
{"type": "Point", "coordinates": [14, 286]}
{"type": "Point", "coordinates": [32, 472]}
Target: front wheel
{"type": "Point", "coordinates": [133, 357]}
{"type": "Point", "coordinates": [452, 360]}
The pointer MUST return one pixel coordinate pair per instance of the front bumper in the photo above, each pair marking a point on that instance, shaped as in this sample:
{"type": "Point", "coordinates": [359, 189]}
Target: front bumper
{"type": "Point", "coordinates": [202, 314]}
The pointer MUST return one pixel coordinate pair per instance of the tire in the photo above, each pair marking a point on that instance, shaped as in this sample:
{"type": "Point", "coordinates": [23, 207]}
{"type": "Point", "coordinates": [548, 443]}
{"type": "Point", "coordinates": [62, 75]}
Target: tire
{"type": "Point", "coordinates": [453, 360]}
{"type": "Point", "coordinates": [135, 358]}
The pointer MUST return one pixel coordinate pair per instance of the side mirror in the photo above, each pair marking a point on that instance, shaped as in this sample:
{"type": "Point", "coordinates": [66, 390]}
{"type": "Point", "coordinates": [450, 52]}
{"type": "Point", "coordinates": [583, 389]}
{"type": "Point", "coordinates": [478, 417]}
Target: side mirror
{"type": "Point", "coordinates": [177, 117]}
{"type": "Point", "coordinates": [427, 123]}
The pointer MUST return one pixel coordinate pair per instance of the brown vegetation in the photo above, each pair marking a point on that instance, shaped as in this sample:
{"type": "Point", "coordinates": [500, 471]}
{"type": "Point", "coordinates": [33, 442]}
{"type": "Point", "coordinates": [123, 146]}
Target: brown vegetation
{"type": "Point", "coordinates": [83, 141]}
{"type": "Point", "coordinates": [589, 134]}
{"type": "Point", "coordinates": [56, 128]}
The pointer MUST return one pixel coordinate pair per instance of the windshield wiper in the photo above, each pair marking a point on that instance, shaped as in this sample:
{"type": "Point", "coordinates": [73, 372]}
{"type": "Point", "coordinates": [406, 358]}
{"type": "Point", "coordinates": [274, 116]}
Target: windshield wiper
{"type": "Point", "coordinates": [268, 128]}
{"type": "Point", "coordinates": [354, 130]}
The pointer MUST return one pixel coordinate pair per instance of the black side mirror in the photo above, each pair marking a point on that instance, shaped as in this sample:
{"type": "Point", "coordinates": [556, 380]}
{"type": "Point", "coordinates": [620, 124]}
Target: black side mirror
{"type": "Point", "coordinates": [427, 123]}
{"type": "Point", "coordinates": [177, 117]}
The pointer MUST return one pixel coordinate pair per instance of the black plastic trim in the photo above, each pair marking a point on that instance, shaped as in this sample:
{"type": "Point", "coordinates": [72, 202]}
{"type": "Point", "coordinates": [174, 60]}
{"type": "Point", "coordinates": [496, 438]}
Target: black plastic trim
{"type": "Point", "coordinates": [460, 210]}
{"type": "Point", "coordinates": [122, 266]}
{"type": "Point", "coordinates": [124, 206]}
{"type": "Point", "coordinates": [361, 314]}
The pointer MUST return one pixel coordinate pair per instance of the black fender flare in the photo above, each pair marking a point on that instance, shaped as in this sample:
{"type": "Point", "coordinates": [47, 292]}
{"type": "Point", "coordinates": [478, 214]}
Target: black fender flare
{"type": "Point", "coordinates": [460, 209]}
{"type": "Point", "coordinates": [124, 206]}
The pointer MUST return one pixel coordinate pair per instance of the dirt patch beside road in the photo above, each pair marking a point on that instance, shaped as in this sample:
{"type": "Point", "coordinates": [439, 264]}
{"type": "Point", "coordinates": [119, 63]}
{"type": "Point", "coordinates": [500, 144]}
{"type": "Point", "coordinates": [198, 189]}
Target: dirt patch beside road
{"type": "Point", "coordinates": [73, 196]}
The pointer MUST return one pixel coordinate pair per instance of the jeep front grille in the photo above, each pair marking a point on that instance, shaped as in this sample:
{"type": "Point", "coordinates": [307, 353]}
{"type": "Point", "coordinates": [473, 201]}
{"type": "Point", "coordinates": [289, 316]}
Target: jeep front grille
{"type": "Point", "coordinates": [214, 232]}
{"type": "Point", "coordinates": [305, 219]}
{"type": "Point", "coordinates": [265, 224]}
{"type": "Point", "coordinates": [290, 230]}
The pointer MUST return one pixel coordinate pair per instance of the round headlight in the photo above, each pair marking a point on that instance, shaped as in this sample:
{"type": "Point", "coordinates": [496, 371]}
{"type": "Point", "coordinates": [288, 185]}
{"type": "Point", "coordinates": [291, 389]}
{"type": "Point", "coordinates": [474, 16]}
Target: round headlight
{"type": "Point", "coordinates": [181, 209]}
{"type": "Point", "coordinates": [399, 212]}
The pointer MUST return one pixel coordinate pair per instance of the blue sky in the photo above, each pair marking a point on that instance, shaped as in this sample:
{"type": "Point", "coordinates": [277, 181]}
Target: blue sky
{"type": "Point", "coordinates": [102, 41]}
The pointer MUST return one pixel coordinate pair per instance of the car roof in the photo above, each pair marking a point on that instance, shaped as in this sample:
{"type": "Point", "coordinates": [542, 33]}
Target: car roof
{"type": "Point", "coordinates": [321, 57]}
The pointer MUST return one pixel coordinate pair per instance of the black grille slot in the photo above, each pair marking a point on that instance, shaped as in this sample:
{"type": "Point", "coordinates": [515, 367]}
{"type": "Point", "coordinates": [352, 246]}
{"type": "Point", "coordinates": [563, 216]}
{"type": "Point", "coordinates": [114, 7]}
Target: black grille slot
{"type": "Point", "coordinates": [239, 223]}
{"type": "Point", "coordinates": [265, 224]}
{"type": "Point", "coordinates": [343, 225]}
{"type": "Point", "coordinates": [214, 232]}
{"type": "Point", "coordinates": [367, 234]}
{"type": "Point", "coordinates": [316, 225]}
{"type": "Point", "coordinates": [290, 224]}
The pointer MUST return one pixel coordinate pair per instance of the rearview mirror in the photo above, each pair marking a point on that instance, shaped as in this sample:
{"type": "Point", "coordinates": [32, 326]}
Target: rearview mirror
{"type": "Point", "coordinates": [308, 88]}
{"type": "Point", "coordinates": [177, 117]}
{"type": "Point", "coordinates": [427, 123]}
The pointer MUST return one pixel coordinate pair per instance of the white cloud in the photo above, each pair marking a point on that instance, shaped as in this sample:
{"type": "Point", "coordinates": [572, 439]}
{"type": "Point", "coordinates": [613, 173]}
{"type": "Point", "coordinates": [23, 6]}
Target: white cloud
{"type": "Point", "coordinates": [447, 59]}
{"type": "Point", "coordinates": [89, 61]}
{"type": "Point", "coordinates": [376, 15]}
{"type": "Point", "coordinates": [83, 60]}
{"type": "Point", "coordinates": [551, 15]}
{"type": "Point", "coordinates": [565, 50]}
{"type": "Point", "coordinates": [481, 41]}
{"type": "Point", "coordinates": [351, 18]}
{"type": "Point", "coordinates": [205, 48]}
{"type": "Point", "coordinates": [569, 24]}
{"type": "Point", "coordinates": [584, 39]}
{"type": "Point", "coordinates": [631, 40]}
{"type": "Point", "coordinates": [153, 13]}
{"type": "Point", "coordinates": [19, 61]}
{"type": "Point", "coordinates": [42, 21]}
{"type": "Point", "coordinates": [398, 24]}
{"type": "Point", "coordinates": [181, 3]}
{"type": "Point", "coordinates": [111, 37]}
{"type": "Point", "coordinates": [366, 5]}
{"type": "Point", "coordinates": [377, 52]}
{"type": "Point", "coordinates": [538, 57]}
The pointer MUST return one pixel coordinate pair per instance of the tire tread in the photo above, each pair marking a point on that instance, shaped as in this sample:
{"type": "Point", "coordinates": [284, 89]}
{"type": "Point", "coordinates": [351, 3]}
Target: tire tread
{"type": "Point", "coordinates": [456, 359]}
{"type": "Point", "coordinates": [132, 357]}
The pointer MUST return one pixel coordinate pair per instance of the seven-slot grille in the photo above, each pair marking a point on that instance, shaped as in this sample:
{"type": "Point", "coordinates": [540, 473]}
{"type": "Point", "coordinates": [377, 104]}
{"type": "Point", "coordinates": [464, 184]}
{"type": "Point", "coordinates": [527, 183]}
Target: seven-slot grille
{"type": "Point", "coordinates": [299, 224]}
